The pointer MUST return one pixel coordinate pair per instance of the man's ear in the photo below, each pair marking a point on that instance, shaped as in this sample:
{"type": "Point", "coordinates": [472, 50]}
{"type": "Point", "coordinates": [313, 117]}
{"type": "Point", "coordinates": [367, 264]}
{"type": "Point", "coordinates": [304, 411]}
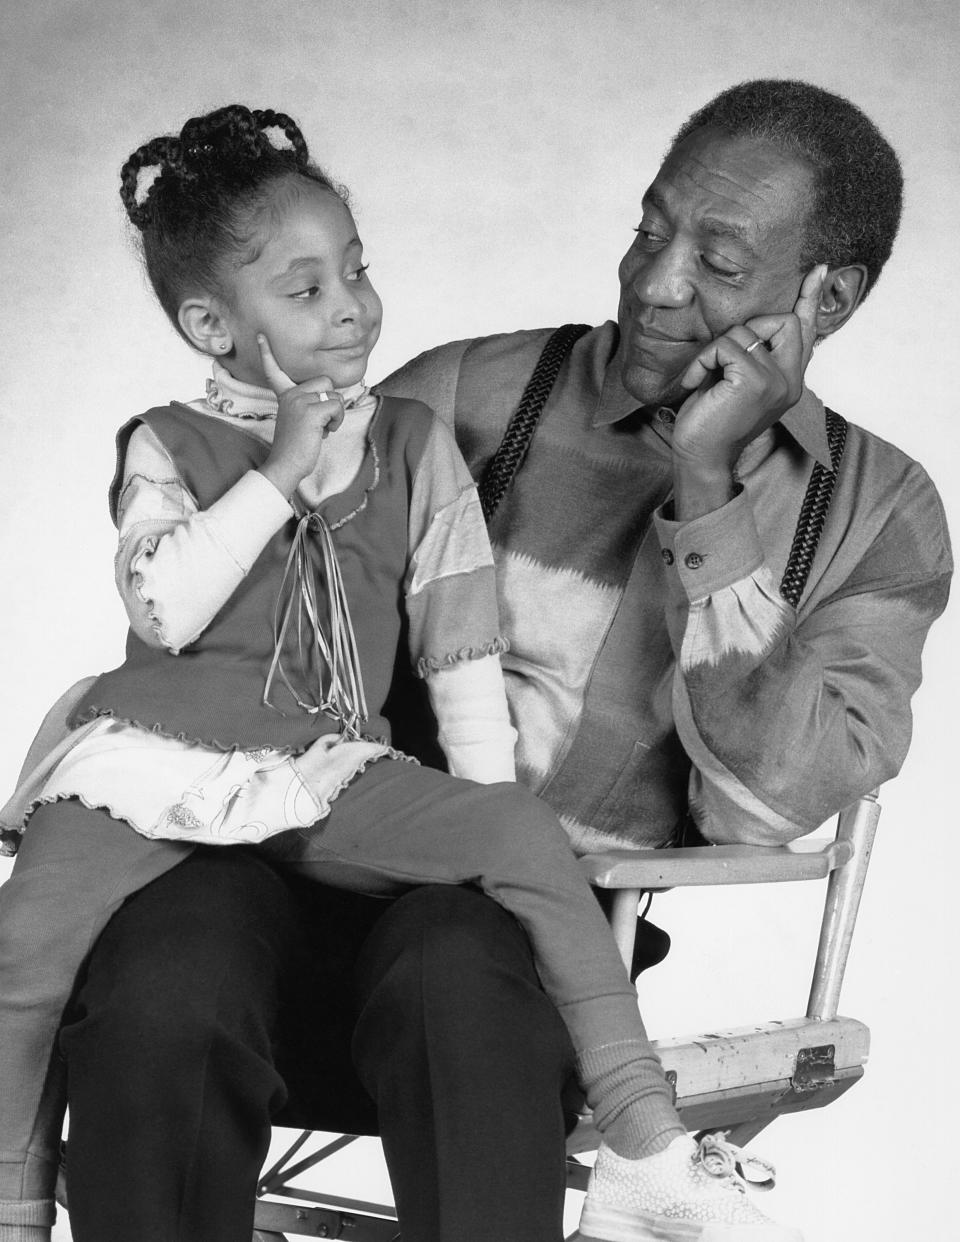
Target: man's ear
{"type": "Point", "coordinates": [842, 292]}
{"type": "Point", "coordinates": [202, 323]}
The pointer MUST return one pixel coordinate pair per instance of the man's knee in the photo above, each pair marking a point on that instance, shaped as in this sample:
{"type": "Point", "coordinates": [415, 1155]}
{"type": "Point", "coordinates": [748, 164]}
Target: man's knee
{"type": "Point", "coordinates": [450, 957]}
{"type": "Point", "coordinates": [444, 936]}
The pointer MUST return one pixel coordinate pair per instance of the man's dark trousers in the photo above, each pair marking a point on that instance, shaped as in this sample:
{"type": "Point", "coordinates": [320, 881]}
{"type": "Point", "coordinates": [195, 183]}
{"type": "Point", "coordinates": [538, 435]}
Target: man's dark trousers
{"type": "Point", "coordinates": [222, 999]}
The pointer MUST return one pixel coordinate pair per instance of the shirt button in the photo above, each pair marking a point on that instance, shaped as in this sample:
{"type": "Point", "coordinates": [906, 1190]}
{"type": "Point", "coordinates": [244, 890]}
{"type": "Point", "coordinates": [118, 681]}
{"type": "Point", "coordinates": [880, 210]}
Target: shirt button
{"type": "Point", "coordinates": [693, 560]}
{"type": "Point", "coordinates": [667, 556]}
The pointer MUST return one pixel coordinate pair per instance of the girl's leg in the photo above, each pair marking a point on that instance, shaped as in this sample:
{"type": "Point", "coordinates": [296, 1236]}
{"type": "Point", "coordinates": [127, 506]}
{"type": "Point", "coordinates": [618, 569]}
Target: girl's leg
{"type": "Point", "coordinates": [74, 869]}
{"type": "Point", "coordinates": [400, 825]}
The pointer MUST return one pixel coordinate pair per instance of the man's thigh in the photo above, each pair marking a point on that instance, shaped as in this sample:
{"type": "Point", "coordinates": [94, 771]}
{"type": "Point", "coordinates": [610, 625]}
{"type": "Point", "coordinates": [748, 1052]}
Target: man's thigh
{"type": "Point", "coordinates": [224, 946]}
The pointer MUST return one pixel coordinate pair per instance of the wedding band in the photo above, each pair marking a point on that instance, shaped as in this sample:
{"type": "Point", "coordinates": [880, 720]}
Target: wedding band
{"type": "Point", "coordinates": [751, 348]}
{"type": "Point", "coordinates": [325, 396]}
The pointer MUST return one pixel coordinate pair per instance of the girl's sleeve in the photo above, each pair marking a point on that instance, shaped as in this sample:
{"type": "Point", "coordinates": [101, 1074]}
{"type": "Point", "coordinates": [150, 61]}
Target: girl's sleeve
{"type": "Point", "coordinates": [176, 565]}
{"type": "Point", "coordinates": [451, 604]}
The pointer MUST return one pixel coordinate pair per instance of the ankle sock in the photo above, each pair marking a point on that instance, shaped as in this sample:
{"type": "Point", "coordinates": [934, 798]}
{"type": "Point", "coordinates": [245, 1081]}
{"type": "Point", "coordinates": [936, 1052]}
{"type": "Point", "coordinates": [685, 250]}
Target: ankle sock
{"type": "Point", "coordinates": [27, 1220]}
{"type": "Point", "coordinates": [631, 1099]}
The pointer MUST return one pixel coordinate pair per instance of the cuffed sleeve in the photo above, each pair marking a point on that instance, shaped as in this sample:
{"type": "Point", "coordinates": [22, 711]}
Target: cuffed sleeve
{"type": "Point", "coordinates": [475, 733]}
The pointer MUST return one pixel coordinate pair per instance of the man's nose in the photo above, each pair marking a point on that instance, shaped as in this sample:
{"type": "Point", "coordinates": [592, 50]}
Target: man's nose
{"type": "Point", "coordinates": [663, 278]}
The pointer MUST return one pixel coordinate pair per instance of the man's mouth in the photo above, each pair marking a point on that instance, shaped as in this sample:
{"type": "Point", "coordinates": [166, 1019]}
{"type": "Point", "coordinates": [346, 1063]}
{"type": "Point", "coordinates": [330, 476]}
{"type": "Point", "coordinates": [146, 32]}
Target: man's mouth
{"type": "Point", "coordinates": [647, 332]}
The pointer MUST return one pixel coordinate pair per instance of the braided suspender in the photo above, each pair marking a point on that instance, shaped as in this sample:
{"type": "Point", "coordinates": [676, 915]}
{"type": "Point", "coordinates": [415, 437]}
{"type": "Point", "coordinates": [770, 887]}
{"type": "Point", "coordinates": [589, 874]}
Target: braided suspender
{"type": "Point", "coordinates": [502, 468]}
{"type": "Point", "coordinates": [813, 513]}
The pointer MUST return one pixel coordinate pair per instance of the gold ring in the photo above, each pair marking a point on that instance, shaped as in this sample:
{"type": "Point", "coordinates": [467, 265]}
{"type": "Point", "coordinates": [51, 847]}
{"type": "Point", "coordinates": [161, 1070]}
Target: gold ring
{"type": "Point", "coordinates": [751, 348]}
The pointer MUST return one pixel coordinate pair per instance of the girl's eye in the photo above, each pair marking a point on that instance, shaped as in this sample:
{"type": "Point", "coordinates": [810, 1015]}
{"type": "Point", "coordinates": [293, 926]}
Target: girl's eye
{"type": "Point", "coordinates": [357, 273]}
{"type": "Point", "coordinates": [304, 294]}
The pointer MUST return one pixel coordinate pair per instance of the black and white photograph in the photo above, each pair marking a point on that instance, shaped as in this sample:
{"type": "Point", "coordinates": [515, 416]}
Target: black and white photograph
{"type": "Point", "coordinates": [479, 671]}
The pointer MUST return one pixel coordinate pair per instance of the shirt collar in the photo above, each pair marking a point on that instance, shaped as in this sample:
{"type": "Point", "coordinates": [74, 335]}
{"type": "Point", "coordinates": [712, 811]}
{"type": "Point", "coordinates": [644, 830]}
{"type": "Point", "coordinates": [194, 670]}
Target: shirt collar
{"type": "Point", "coordinates": [235, 399]}
{"type": "Point", "coordinates": [805, 421]}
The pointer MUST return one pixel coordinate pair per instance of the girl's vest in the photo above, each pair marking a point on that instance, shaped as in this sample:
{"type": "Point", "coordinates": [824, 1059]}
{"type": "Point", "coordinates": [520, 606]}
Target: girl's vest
{"type": "Point", "coordinates": [212, 691]}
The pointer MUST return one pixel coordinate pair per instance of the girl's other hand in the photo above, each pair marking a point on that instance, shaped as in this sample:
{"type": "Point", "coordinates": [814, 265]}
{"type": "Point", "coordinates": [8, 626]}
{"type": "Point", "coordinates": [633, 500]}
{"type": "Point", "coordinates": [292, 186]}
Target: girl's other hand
{"type": "Point", "coordinates": [306, 414]}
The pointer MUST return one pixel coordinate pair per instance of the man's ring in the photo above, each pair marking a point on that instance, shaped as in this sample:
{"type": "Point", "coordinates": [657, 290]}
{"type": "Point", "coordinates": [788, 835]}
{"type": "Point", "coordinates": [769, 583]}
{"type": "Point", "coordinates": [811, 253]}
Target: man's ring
{"type": "Point", "coordinates": [751, 348]}
{"type": "Point", "coordinates": [324, 396]}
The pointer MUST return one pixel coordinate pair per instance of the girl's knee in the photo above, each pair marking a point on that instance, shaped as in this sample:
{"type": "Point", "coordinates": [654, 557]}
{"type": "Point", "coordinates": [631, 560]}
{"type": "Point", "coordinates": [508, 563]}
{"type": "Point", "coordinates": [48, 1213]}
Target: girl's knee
{"type": "Point", "coordinates": [522, 827]}
{"type": "Point", "coordinates": [41, 944]}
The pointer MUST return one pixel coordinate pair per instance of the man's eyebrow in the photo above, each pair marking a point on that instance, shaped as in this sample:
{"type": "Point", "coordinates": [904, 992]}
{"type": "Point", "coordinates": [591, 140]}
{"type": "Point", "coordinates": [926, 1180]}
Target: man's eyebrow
{"type": "Point", "coordinates": [720, 229]}
{"type": "Point", "coordinates": [724, 228]}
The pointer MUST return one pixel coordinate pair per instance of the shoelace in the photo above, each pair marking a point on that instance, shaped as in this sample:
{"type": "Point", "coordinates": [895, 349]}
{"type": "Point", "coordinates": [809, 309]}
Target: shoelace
{"type": "Point", "coordinates": [720, 1159]}
{"type": "Point", "coordinates": [335, 655]}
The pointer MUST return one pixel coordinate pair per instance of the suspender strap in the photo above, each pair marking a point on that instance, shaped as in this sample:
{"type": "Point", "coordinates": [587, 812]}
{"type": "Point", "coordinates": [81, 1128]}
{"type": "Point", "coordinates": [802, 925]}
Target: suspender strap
{"type": "Point", "coordinates": [813, 513]}
{"type": "Point", "coordinates": [502, 467]}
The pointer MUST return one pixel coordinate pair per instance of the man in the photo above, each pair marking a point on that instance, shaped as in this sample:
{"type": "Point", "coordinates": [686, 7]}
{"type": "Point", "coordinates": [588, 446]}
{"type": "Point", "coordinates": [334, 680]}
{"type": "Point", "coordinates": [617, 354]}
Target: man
{"type": "Point", "coordinates": [656, 673]}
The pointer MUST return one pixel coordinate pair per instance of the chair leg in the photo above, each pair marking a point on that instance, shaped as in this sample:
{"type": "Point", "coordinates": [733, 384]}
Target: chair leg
{"type": "Point", "coordinates": [623, 921]}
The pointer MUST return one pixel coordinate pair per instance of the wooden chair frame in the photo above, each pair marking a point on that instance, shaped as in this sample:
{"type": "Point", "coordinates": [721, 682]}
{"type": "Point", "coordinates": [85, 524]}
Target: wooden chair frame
{"type": "Point", "coordinates": [737, 1080]}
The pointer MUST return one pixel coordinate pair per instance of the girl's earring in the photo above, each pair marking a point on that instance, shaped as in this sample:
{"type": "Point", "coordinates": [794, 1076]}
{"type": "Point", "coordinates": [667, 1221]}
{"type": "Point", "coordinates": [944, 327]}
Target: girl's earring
{"type": "Point", "coordinates": [223, 345]}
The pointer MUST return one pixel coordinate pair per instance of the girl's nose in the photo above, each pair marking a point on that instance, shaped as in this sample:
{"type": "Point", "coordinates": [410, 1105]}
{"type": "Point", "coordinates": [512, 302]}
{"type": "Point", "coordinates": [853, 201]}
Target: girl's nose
{"type": "Point", "coordinates": [350, 305]}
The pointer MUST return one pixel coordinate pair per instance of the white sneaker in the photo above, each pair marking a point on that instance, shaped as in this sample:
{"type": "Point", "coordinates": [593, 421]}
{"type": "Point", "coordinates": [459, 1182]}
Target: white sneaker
{"type": "Point", "coordinates": [691, 1192]}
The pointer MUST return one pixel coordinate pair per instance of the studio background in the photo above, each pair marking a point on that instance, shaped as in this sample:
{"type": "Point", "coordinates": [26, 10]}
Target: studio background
{"type": "Point", "coordinates": [497, 154]}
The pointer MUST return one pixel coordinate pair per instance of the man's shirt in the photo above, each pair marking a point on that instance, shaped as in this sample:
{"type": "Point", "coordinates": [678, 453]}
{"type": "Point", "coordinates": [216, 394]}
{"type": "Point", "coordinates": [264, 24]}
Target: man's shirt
{"type": "Point", "coordinates": [653, 665]}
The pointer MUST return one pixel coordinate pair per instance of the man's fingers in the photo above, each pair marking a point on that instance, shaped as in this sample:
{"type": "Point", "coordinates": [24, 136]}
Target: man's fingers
{"type": "Point", "coordinates": [729, 350]}
{"type": "Point", "coordinates": [276, 377]}
{"type": "Point", "coordinates": [807, 305]}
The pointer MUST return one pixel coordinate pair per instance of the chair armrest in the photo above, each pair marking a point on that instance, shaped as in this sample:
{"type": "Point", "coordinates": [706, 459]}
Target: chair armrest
{"type": "Point", "coordinates": [715, 864]}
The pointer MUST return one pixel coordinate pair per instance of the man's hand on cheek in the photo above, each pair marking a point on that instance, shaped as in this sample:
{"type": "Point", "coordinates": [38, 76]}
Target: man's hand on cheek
{"type": "Point", "coordinates": [742, 382]}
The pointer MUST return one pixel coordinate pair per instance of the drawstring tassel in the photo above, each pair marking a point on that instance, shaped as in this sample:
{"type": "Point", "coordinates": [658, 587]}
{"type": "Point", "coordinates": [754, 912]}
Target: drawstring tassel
{"type": "Point", "coordinates": [334, 656]}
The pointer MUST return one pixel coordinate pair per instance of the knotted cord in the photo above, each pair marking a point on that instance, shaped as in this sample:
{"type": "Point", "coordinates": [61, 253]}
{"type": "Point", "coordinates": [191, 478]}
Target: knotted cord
{"type": "Point", "coordinates": [334, 654]}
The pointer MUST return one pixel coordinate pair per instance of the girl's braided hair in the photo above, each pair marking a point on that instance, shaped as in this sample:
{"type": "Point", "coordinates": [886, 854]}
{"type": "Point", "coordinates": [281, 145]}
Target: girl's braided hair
{"type": "Point", "coordinates": [208, 187]}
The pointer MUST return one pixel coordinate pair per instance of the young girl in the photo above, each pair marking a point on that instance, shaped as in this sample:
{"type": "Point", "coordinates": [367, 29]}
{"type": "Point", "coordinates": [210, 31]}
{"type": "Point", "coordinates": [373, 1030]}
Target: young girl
{"type": "Point", "coordinates": [278, 540]}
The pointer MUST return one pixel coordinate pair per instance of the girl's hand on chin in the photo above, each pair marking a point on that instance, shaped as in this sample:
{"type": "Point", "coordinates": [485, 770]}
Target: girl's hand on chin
{"type": "Point", "coordinates": [306, 414]}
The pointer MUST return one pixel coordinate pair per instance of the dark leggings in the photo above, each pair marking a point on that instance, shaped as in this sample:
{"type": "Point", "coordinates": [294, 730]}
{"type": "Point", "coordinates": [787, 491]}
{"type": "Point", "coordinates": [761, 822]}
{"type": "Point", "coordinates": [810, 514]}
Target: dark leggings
{"type": "Point", "coordinates": [222, 998]}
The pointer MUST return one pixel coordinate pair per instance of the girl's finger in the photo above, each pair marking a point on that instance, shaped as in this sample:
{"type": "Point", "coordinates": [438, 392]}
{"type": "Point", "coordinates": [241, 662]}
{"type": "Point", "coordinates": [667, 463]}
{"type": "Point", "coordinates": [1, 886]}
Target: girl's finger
{"type": "Point", "coordinates": [335, 421]}
{"type": "Point", "coordinates": [276, 377]}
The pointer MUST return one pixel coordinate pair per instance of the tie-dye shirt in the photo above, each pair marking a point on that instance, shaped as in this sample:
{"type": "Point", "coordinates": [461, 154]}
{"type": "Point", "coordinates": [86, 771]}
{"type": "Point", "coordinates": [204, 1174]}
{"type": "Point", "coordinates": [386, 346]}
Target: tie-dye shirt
{"type": "Point", "coordinates": [654, 667]}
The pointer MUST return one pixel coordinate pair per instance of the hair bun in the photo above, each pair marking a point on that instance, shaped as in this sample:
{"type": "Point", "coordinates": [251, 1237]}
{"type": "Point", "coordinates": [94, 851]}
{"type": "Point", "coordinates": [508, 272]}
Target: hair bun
{"type": "Point", "coordinates": [222, 138]}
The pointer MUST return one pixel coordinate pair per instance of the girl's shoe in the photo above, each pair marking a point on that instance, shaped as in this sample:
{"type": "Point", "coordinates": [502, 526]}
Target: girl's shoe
{"type": "Point", "coordinates": [691, 1192]}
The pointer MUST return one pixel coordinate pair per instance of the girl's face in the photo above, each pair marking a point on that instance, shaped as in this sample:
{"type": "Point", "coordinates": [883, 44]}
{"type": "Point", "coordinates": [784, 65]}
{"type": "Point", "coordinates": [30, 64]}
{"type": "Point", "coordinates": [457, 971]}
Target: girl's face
{"type": "Point", "coordinates": [307, 292]}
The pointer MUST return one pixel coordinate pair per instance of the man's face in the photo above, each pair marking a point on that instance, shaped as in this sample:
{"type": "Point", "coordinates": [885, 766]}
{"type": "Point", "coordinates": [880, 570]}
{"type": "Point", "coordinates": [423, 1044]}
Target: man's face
{"type": "Point", "coordinates": [719, 242]}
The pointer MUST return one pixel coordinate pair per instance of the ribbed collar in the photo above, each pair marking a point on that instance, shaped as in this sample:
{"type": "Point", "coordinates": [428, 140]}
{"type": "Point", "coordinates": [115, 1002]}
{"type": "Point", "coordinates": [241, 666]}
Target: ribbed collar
{"type": "Point", "coordinates": [235, 399]}
{"type": "Point", "coordinates": [805, 421]}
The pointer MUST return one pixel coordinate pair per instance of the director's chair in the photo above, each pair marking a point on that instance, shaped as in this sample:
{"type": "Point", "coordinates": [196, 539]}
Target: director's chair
{"type": "Point", "coordinates": [735, 1080]}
